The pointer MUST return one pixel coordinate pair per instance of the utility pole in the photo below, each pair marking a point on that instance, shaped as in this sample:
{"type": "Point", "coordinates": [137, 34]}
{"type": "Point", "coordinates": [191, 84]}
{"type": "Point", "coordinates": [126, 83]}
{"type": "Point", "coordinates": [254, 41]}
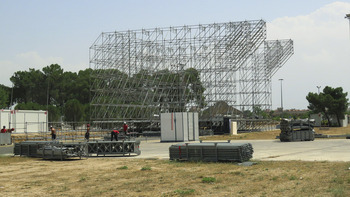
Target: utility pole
{"type": "Point", "coordinates": [281, 95]}
{"type": "Point", "coordinates": [318, 87]}
{"type": "Point", "coordinates": [347, 16]}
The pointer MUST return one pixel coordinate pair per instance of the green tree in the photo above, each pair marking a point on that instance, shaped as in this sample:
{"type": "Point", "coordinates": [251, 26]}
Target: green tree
{"type": "Point", "coordinates": [83, 86]}
{"type": "Point", "coordinates": [5, 96]}
{"type": "Point", "coordinates": [73, 110]}
{"type": "Point", "coordinates": [30, 106]}
{"type": "Point", "coordinates": [54, 75]}
{"type": "Point", "coordinates": [332, 101]}
{"type": "Point", "coordinates": [28, 86]}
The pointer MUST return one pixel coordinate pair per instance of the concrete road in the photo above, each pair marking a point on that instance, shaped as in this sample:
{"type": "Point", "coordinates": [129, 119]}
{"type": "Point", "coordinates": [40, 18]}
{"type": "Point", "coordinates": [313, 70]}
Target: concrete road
{"type": "Point", "coordinates": [271, 150]}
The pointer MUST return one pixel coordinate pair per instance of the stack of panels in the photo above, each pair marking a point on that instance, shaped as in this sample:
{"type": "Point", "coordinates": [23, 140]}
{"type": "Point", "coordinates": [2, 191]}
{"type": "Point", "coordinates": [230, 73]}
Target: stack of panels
{"type": "Point", "coordinates": [238, 152]}
{"type": "Point", "coordinates": [49, 149]}
{"type": "Point", "coordinates": [301, 135]}
{"type": "Point", "coordinates": [113, 147]}
{"type": "Point", "coordinates": [29, 148]}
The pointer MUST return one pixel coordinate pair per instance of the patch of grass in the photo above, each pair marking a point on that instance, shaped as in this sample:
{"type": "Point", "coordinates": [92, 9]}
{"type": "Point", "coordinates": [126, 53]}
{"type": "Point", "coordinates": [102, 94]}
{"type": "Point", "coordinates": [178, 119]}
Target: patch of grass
{"type": "Point", "coordinates": [82, 179]}
{"type": "Point", "coordinates": [237, 173]}
{"type": "Point", "coordinates": [208, 180]}
{"type": "Point", "coordinates": [275, 178]}
{"type": "Point", "coordinates": [123, 168]}
{"type": "Point", "coordinates": [183, 192]}
{"type": "Point", "coordinates": [145, 168]}
{"type": "Point", "coordinates": [260, 178]}
{"type": "Point", "coordinates": [292, 178]}
{"type": "Point", "coordinates": [338, 191]}
{"type": "Point", "coordinates": [338, 180]}
{"type": "Point", "coordinates": [64, 189]}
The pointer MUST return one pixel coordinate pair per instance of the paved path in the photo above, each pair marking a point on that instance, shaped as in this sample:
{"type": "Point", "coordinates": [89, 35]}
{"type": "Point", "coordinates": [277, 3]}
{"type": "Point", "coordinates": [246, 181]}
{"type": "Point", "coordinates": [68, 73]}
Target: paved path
{"type": "Point", "coordinates": [318, 150]}
{"type": "Point", "coordinates": [6, 150]}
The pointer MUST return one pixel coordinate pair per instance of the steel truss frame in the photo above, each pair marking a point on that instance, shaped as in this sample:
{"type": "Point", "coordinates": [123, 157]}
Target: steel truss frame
{"type": "Point", "coordinates": [141, 73]}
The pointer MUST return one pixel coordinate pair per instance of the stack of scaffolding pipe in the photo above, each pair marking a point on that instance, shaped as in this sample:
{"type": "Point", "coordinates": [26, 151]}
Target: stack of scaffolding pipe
{"type": "Point", "coordinates": [60, 151]}
{"type": "Point", "coordinates": [211, 151]}
{"type": "Point", "coordinates": [296, 130]}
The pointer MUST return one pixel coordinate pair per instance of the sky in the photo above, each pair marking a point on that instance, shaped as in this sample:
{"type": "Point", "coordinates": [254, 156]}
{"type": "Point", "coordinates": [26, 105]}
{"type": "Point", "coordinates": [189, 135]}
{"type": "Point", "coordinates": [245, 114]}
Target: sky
{"type": "Point", "coordinates": [38, 33]}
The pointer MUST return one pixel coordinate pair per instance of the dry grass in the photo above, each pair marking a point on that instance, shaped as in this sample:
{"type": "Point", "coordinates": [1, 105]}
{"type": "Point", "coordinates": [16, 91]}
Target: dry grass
{"type": "Point", "coordinates": [136, 177]}
{"type": "Point", "coordinates": [245, 136]}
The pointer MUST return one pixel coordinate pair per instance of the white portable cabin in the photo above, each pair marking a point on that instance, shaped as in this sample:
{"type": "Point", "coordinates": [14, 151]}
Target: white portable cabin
{"type": "Point", "coordinates": [24, 120]}
{"type": "Point", "coordinates": [179, 127]}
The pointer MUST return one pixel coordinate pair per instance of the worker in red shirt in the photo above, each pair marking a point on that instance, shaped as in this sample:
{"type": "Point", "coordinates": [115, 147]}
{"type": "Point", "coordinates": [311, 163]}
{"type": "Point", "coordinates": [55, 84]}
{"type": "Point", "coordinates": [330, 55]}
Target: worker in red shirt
{"type": "Point", "coordinates": [3, 130]}
{"type": "Point", "coordinates": [125, 127]}
{"type": "Point", "coordinates": [114, 134]}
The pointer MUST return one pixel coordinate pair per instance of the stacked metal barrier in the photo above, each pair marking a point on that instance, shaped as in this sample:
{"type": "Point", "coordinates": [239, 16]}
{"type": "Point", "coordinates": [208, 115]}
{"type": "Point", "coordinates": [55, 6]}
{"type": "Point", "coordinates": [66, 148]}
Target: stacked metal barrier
{"type": "Point", "coordinates": [49, 149]}
{"type": "Point", "coordinates": [59, 150]}
{"type": "Point", "coordinates": [210, 151]}
{"type": "Point", "coordinates": [296, 130]}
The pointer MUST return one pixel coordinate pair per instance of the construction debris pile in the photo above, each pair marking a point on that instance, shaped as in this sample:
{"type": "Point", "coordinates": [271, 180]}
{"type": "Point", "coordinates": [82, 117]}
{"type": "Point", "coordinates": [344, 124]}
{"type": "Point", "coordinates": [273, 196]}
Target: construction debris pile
{"type": "Point", "coordinates": [296, 130]}
{"type": "Point", "coordinates": [210, 151]}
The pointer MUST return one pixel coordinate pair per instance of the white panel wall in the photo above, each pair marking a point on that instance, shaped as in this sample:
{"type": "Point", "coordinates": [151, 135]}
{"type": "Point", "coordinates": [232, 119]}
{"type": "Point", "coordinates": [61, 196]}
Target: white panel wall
{"type": "Point", "coordinates": [5, 118]}
{"type": "Point", "coordinates": [167, 127]}
{"type": "Point", "coordinates": [179, 127]}
{"type": "Point", "coordinates": [24, 120]}
{"type": "Point", "coordinates": [195, 127]}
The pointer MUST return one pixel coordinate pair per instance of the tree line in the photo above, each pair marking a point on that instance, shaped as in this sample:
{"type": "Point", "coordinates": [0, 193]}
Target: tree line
{"type": "Point", "coordinates": [61, 93]}
{"type": "Point", "coordinates": [67, 94]}
{"type": "Point", "coordinates": [330, 102]}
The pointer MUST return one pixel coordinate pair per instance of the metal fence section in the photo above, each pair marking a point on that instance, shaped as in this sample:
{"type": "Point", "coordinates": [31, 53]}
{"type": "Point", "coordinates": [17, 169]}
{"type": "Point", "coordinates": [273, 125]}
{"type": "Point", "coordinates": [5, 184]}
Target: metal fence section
{"type": "Point", "coordinates": [253, 125]}
{"type": "Point", "coordinates": [103, 148]}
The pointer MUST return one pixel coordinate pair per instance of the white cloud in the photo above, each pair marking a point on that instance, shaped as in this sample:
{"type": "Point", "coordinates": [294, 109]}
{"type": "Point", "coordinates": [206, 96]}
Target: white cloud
{"type": "Point", "coordinates": [322, 53]}
{"type": "Point", "coordinates": [32, 59]}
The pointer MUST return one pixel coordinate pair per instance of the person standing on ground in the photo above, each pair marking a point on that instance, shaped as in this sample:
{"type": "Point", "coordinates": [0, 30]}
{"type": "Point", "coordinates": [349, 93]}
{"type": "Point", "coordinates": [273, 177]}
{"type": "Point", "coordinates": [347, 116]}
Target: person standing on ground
{"type": "Point", "coordinates": [125, 128]}
{"type": "Point", "coordinates": [114, 134]}
{"type": "Point", "coordinates": [53, 133]}
{"type": "Point", "coordinates": [87, 134]}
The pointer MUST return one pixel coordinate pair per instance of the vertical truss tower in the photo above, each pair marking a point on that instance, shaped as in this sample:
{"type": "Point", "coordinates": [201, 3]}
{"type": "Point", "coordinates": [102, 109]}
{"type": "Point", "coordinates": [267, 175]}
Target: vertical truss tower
{"type": "Point", "coordinates": [139, 74]}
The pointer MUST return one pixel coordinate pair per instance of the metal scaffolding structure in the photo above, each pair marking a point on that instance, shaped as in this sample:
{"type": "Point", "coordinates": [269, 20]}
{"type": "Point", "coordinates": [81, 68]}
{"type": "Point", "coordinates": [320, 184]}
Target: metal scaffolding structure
{"type": "Point", "coordinates": [141, 73]}
{"type": "Point", "coordinates": [255, 88]}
